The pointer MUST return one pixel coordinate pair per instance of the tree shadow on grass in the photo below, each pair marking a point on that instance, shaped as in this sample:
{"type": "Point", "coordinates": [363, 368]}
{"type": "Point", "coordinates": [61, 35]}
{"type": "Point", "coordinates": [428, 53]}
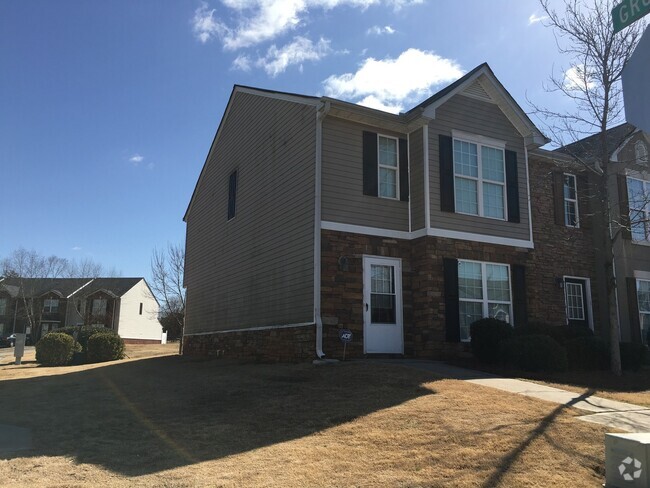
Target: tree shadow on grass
{"type": "Point", "coordinates": [145, 416]}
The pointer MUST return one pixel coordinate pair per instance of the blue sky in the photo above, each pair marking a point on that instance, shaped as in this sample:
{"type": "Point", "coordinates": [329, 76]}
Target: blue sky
{"type": "Point", "coordinates": [108, 109]}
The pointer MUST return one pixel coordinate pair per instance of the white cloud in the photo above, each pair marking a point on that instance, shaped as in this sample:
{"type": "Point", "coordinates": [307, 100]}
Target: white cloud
{"type": "Point", "coordinates": [76, 248]}
{"type": "Point", "coordinates": [150, 166]}
{"type": "Point", "coordinates": [378, 31]}
{"type": "Point", "coordinates": [534, 18]}
{"type": "Point", "coordinates": [277, 60]}
{"type": "Point", "coordinates": [576, 78]}
{"type": "Point", "coordinates": [136, 159]}
{"type": "Point", "coordinates": [259, 21]}
{"type": "Point", "coordinates": [205, 26]}
{"type": "Point", "coordinates": [242, 63]}
{"type": "Point", "coordinates": [391, 83]}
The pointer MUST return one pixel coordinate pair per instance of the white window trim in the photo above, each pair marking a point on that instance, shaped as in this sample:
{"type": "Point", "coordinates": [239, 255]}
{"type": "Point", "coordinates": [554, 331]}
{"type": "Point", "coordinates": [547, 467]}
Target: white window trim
{"type": "Point", "coordinates": [589, 309]}
{"type": "Point", "coordinates": [485, 301]}
{"type": "Point", "coordinates": [481, 141]}
{"type": "Point", "coordinates": [646, 190]}
{"type": "Point", "coordinates": [92, 307]}
{"type": "Point", "coordinates": [641, 147]}
{"type": "Point", "coordinates": [48, 308]}
{"type": "Point", "coordinates": [565, 199]}
{"type": "Point", "coordinates": [638, 308]}
{"type": "Point", "coordinates": [395, 168]}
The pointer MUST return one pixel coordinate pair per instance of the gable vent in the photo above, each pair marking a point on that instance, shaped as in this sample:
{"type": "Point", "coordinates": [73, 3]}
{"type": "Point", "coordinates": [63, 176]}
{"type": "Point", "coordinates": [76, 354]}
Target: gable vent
{"type": "Point", "coordinates": [475, 90]}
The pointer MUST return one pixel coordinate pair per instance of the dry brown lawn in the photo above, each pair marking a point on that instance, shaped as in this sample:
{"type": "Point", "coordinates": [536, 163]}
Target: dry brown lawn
{"type": "Point", "coordinates": [167, 421]}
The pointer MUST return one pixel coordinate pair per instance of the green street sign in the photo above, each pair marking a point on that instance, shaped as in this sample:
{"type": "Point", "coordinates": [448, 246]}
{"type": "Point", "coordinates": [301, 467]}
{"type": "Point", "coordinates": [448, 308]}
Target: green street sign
{"type": "Point", "coordinates": [629, 11]}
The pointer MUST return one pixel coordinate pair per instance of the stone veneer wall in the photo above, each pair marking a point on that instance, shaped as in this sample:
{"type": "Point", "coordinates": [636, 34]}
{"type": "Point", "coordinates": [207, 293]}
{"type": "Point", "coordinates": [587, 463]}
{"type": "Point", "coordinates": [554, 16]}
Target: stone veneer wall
{"type": "Point", "coordinates": [267, 345]}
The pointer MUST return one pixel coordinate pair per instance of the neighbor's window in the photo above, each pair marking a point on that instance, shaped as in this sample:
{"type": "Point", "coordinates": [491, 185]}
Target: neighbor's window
{"type": "Point", "coordinates": [3, 306]}
{"type": "Point", "coordinates": [479, 179]}
{"type": "Point", "coordinates": [99, 307]}
{"type": "Point", "coordinates": [232, 195]}
{"type": "Point", "coordinates": [140, 308]}
{"type": "Point", "coordinates": [570, 201]}
{"type": "Point", "coordinates": [643, 299]}
{"type": "Point", "coordinates": [50, 305]}
{"type": "Point", "coordinates": [641, 152]}
{"type": "Point", "coordinates": [638, 192]}
{"type": "Point", "coordinates": [388, 165]}
{"type": "Point", "coordinates": [483, 291]}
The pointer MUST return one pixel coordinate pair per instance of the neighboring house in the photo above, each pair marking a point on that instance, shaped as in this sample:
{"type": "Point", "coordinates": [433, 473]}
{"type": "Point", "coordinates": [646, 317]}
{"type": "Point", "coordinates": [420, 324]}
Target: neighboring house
{"type": "Point", "coordinates": [629, 194]}
{"type": "Point", "coordinates": [125, 305]}
{"type": "Point", "coordinates": [313, 215]}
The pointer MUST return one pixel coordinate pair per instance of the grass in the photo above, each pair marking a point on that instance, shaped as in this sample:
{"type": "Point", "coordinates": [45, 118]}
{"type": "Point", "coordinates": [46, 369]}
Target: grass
{"type": "Point", "coordinates": [167, 421]}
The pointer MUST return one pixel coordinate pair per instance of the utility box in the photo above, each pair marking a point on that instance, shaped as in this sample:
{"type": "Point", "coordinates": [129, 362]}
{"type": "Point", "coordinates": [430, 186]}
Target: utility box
{"type": "Point", "coordinates": [627, 460]}
{"type": "Point", "coordinates": [19, 347]}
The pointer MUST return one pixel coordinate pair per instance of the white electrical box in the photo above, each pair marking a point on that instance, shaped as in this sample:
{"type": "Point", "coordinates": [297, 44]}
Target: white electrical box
{"type": "Point", "coordinates": [627, 460]}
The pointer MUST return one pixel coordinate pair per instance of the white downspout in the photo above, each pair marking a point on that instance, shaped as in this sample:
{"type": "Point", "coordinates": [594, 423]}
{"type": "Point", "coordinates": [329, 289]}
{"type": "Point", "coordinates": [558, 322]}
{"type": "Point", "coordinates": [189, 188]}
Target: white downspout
{"type": "Point", "coordinates": [321, 113]}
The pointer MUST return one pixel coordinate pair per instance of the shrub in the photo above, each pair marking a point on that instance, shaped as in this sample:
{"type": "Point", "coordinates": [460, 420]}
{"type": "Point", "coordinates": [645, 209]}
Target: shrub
{"type": "Point", "coordinates": [84, 332]}
{"type": "Point", "coordinates": [587, 353]}
{"type": "Point", "coordinates": [104, 346]}
{"type": "Point", "coordinates": [561, 333]}
{"type": "Point", "coordinates": [487, 335]}
{"type": "Point", "coordinates": [56, 349]}
{"type": "Point", "coordinates": [632, 355]}
{"type": "Point", "coordinates": [534, 353]}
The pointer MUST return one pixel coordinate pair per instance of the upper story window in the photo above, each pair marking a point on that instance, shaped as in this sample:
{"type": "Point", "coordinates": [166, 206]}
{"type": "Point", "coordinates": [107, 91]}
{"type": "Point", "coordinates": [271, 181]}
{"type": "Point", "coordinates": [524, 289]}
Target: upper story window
{"type": "Point", "coordinates": [99, 307]}
{"type": "Point", "coordinates": [570, 193]}
{"type": "Point", "coordinates": [50, 305]}
{"type": "Point", "coordinates": [232, 194]}
{"type": "Point", "coordinates": [483, 291]}
{"type": "Point", "coordinates": [641, 152]}
{"type": "Point", "coordinates": [638, 193]}
{"type": "Point", "coordinates": [388, 160]}
{"type": "Point", "coordinates": [3, 306]}
{"type": "Point", "coordinates": [479, 179]}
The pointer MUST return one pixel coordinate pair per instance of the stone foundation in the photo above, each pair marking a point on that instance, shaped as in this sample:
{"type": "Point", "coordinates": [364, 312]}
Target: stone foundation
{"type": "Point", "coordinates": [288, 344]}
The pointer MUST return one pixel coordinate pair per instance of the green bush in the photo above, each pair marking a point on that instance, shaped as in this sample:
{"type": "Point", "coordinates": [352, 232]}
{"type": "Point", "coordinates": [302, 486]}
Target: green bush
{"type": "Point", "coordinates": [84, 332]}
{"type": "Point", "coordinates": [534, 353]}
{"type": "Point", "coordinates": [487, 335]}
{"type": "Point", "coordinates": [56, 349]}
{"type": "Point", "coordinates": [587, 353]}
{"type": "Point", "coordinates": [104, 346]}
{"type": "Point", "coordinates": [632, 355]}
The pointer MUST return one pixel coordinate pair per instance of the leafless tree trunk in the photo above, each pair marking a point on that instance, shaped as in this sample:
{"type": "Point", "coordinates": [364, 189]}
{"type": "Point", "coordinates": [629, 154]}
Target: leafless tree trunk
{"type": "Point", "coordinates": [167, 270]}
{"type": "Point", "coordinates": [593, 82]}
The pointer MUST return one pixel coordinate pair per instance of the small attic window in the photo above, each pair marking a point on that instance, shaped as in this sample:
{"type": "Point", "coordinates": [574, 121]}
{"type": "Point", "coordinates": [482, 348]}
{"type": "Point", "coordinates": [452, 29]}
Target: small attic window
{"type": "Point", "coordinates": [641, 152]}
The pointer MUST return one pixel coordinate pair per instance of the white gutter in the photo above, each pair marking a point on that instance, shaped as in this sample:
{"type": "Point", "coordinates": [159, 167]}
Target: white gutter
{"type": "Point", "coordinates": [321, 113]}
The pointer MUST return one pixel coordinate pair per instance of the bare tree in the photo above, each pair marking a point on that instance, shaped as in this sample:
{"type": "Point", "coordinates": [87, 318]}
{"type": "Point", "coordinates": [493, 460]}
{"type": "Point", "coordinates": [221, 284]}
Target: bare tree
{"type": "Point", "coordinates": [167, 270]}
{"type": "Point", "coordinates": [25, 265]}
{"type": "Point", "coordinates": [85, 268]}
{"type": "Point", "coordinates": [585, 32]}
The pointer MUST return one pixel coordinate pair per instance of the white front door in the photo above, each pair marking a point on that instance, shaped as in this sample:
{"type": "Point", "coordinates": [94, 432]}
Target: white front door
{"type": "Point", "coordinates": [382, 305]}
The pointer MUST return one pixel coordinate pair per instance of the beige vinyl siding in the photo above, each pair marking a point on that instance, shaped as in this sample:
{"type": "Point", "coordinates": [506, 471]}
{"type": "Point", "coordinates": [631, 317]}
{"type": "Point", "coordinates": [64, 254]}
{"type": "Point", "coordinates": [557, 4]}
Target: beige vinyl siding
{"type": "Point", "coordinates": [486, 119]}
{"type": "Point", "coordinates": [256, 269]}
{"type": "Point", "coordinates": [416, 148]}
{"type": "Point", "coordinates": [343, 200]}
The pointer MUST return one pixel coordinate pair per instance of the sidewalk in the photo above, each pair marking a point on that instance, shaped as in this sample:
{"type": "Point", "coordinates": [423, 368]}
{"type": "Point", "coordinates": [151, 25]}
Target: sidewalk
{"type": "Point", "coordinates": [617, 415]}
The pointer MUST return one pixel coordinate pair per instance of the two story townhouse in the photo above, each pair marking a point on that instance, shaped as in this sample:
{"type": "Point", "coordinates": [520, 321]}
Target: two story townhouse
{"type": "Point", "coordinates": [313, 215]}
{"type": "Point", "coordinates": [629, 197]}
{"type": "Point", "coordinates": [125, 305]}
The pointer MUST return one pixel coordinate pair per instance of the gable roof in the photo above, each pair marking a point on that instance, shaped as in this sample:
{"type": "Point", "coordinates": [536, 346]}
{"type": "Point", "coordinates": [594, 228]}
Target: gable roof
{"type": "Point", "coordinates": [67, 287]}
{"type": "Point", "coordinates": [491, 86]}
{"type": "Point", "coordinates": [590, 148]}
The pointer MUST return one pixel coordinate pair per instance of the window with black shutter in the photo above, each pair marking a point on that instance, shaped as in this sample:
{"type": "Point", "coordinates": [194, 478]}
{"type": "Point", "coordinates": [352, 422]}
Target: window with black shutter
{"type": "Point", "coordinates": [232, 194]}
{"type": "Point", "coordinates": [385, 166]}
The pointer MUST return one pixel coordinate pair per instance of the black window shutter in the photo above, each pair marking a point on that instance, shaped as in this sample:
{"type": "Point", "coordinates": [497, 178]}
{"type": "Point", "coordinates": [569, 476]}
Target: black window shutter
{"type": "Point", "coordinates": [232, 194]}
{"type": "Point", "coordinates": [512, 186]}
{"type": "Point", "coordinates": [403, 170]}
{"type": "Point", "coordinates": [626, 231]}
{"type": "Point", "coordinates": [558, 198]}
{"type": "Point", "coordinates": [633, 306]}
{"type": "Point", "coordinates": [446, 155]}
{"type": "Point", "coordinates": [520, 311]}
{"type": "Point", "coordinates": [370, 164]}
{"type": "Point", "coordinates": [452, 310]}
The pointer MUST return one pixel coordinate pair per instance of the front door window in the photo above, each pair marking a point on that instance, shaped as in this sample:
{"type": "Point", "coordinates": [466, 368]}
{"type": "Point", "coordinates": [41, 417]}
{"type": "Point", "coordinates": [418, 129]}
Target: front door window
{"type": "Point", "coordinates": [382, 294]}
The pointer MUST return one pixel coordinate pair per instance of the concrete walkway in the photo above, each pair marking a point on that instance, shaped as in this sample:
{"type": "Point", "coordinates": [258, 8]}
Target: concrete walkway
{"type": "Point", "coordinates": [617, 415]}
